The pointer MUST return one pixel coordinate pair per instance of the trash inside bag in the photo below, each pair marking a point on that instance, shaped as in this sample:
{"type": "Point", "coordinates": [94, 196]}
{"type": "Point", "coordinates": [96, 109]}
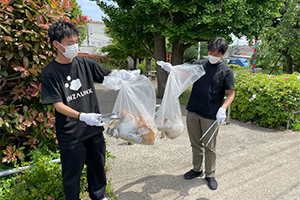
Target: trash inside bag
{"type": "Point", "coordinates": [168, 116]}
{"type": "Point", "coordinates": [136, 101]}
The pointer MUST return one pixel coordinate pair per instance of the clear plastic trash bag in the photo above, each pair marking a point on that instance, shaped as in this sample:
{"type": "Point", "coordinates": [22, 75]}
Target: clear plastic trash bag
{"type": "Point", "coordinates": [136, 102]}
{"type": "Point", "coordinates": [169, 116]}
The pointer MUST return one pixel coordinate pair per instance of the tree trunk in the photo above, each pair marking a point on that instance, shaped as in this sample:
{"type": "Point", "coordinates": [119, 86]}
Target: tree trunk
{"type": "Point", "coordinates": [289, 62]}
{"type": "Point", "coordinates": [148, 65]}
{"type": "Point", "coordinates": [177, 53]}
{"type": "Point", "coordinates": [178, 49]}
{"type": "Point", "coordinates": [160, 55]}
{"type": "Point", "coordinates": [136, 61]}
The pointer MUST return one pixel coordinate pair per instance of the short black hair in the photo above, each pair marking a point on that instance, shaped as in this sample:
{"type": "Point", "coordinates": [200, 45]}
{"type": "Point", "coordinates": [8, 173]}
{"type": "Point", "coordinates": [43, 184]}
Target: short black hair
{"type": "Point", "coordinates": [58, 30]}
{"type": "Point", "coordinates": [218, 44]}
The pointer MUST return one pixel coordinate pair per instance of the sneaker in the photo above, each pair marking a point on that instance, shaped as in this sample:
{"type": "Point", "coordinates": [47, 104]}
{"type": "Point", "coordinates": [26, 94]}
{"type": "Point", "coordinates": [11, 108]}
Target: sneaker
{"type": "Point", "coordinates": [106, 198]}
{"type": "Point", "coordinates": [212, 183]}
{"type": "Point", "coordinates": [192, 174]}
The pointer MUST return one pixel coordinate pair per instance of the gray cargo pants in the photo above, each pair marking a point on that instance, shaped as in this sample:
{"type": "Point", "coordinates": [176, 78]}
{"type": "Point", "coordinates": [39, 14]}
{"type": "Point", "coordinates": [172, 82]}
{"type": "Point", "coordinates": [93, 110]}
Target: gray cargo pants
{"type": "Point", "coordinates": [197, 126]}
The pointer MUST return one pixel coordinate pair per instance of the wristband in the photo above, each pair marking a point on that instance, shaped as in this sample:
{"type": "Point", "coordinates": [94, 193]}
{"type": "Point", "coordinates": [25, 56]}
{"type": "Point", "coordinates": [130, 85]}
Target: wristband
{"type": "Point", "coordinates": [79, 116]}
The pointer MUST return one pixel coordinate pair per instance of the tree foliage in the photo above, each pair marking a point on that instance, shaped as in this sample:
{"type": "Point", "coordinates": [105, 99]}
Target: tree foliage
{"type": "Point", "coordinates": [192, 52]}
{"type": "Point", "coordinates": [184, 23]}
{"type": "Point", "coordinates": [78, 18]}
{"type": "Point", "coordinates": [24, 51]}
{"type": "Point", "coordinates": [283, 36]}
{"type": "Point", "coordinates": [119, 51]}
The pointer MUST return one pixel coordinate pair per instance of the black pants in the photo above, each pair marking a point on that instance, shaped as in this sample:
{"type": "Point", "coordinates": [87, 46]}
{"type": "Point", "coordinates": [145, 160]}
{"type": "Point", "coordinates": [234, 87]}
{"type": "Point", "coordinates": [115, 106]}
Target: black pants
{"type": "Point", "coordinates": [73, 157]}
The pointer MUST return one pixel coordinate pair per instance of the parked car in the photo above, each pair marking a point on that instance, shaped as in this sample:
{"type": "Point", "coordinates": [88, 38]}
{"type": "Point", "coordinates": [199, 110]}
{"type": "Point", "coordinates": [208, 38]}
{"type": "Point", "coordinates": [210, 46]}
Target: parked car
{"type": "Point", "coordinates": [239, 61]}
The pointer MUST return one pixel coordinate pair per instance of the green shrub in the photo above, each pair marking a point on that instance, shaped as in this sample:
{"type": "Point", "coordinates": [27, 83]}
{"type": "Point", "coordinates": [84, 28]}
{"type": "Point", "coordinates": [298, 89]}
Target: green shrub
{"type": "Point", "coordinates": [185, 96]}
{"type": "Point", "coordinates": [142, 66]}
{"type": "Point", "coordinates": [44, 181]}
{"type": "Point", "coordinates": [106, 62]}
{"type": "Point", "coordinates": [234, 66]}
{"type": "Point", "coordinates": [5, 186]}
{"type": "Point", "coordinates": [24, 51]}
{"type": "Point", "coordinates": [267, 100]}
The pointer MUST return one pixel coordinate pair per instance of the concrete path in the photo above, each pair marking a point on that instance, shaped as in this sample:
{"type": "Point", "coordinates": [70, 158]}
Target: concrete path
{"type": "Point", "coordinates": [252, 163]}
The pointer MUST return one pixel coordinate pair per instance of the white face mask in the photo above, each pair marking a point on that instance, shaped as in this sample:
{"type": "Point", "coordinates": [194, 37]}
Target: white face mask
{"type": "Point", "coordinates": [71, 51]}
{"type": "Point", "coordinates": [213, 59]}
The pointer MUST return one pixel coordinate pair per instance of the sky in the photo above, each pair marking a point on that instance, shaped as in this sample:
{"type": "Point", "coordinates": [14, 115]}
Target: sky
{"type": "Point", "coordinates": [90, 8]}
{"type": "Point", "coordinates": [237, 41]}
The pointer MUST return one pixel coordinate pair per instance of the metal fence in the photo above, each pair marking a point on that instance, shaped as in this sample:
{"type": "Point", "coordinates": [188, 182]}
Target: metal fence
{"type": "Point", "coordinates": [15, 170]}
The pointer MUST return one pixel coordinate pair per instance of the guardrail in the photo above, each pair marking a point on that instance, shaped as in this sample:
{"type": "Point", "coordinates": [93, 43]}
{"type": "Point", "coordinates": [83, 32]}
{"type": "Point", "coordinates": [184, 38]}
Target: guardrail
{"type": "Point", "coordinates": [288, 123]}
{"type": "Point", "coordinates": [15, 170]}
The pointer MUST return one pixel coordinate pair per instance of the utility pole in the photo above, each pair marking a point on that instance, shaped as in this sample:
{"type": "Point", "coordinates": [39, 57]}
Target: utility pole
{"type": "Point", "coordinates": [199, 50]}
{"type": "Point", "coordinates": [88, 35]}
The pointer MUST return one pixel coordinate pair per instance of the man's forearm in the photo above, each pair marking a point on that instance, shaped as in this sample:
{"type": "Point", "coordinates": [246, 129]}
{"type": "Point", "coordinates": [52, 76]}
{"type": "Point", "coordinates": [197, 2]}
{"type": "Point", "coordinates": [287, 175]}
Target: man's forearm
{"type": "Point", "coordinates": [66, 110]}
{"type": "Point", "coordinates": [229, 99]}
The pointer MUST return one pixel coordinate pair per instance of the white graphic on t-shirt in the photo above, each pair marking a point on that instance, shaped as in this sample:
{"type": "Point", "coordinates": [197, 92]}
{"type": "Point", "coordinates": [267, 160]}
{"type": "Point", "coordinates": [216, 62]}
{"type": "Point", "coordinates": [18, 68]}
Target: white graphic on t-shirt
{"type": "Point", "coordinates": [75, 84]}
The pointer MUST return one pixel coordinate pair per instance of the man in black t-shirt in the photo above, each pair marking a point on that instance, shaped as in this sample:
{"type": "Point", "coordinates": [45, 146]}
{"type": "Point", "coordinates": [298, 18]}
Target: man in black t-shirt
{"type": "Point", "coordinates": [68, 84]}
{"type": "Point", "coordinates": [205, 106]}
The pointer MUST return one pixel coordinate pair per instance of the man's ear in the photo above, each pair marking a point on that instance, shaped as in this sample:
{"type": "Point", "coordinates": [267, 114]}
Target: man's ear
{"type": "Point", "coordinates": [54, 43]}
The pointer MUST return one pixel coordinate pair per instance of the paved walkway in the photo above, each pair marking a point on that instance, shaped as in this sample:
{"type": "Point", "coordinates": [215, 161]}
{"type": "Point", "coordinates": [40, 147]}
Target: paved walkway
{"type": "Point", "coordinates": [252, 163]}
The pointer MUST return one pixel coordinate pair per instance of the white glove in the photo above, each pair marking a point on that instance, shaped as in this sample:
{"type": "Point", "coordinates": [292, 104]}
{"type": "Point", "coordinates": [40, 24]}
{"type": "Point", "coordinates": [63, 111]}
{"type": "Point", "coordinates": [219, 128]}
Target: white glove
{"type": "Point", "coordinates": [221, 115]}
{"type": "Point", "coordinates": [92, 119]}
{"type": "Point", "coordinates": [165, 65]}
{"type": "Point", "coordinates": [125, 75]}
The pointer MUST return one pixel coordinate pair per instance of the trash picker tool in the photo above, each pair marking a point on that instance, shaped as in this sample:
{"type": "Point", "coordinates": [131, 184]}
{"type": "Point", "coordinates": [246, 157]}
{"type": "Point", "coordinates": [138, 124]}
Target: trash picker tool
{"type": "Point", "coordinates": [212, 135]}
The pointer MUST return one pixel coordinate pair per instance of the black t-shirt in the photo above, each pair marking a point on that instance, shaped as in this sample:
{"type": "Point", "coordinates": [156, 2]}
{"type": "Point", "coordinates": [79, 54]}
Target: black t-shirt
{"type": "Point", "coordinates": [73, 85]}
{"type": "Point", "coordinates": [208, 92]}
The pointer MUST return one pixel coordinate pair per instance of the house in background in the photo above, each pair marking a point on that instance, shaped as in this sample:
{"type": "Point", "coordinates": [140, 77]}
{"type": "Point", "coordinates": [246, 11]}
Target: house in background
{"type": "Point", "coordinates": [242, 51]}
{"type": "Point", "coordinates": [95, 39]}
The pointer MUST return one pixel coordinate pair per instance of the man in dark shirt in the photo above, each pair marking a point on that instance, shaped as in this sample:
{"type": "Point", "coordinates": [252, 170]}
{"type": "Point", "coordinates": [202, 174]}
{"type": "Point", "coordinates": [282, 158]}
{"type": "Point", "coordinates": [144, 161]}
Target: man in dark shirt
{"type": "Point", "coordinates": [205, 106]}
{"type": "Point", "coordinates": [68, 84]}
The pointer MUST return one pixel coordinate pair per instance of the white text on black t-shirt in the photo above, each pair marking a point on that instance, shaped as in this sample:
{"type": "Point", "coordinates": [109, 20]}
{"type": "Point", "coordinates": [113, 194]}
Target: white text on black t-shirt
{"type": "Point", "coordinates": [79, 94]}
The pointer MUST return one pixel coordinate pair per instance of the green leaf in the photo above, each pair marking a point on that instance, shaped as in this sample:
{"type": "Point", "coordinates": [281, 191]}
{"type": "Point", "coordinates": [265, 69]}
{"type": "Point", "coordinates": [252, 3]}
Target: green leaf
{"type": "Point", "coordinates": [48, 130]}
{"type": "Point", "coordinates": [9, 56]}
{"type": "Point", "coordinates": [35, 129]}
{"type": "Point", "coordinates": [35, 58]}
{"type": "Point", "coordinates": [3, 109]}
{"type": "Point", "coordinates": [21, 53]}
{"type": "Point", "coordinates": [12, 108]}
{"type": "Point", "coordinates": [3, 73]}
{"type": "Point", "coordinates": [28, 14]}
{"type": "Point", "coordinates": [18, 5]}
{"type": "Point", "coordinates": [6, 123]}
{"type": "Point", "coordinates": [25, 109]}
{"type": "Point", "coordinates": [1, 26]}
{"type": "Point", "coordinates": [27, 46]}
{"type": "Point", "coordinates": [37, 46]}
